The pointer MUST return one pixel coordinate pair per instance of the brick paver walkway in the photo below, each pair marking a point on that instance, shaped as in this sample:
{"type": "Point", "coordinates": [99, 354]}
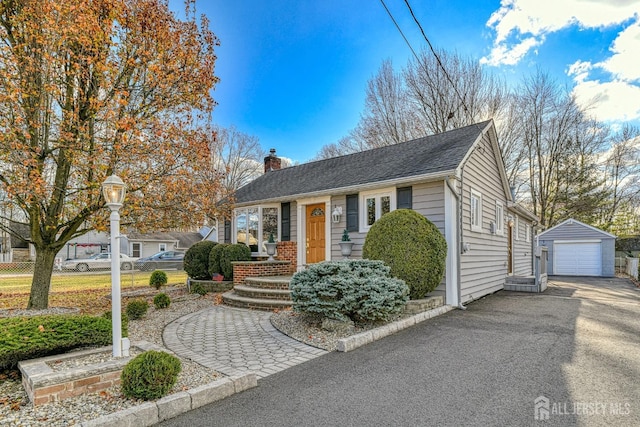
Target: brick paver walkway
{"type": "Point", "coordinates": [234, 341]}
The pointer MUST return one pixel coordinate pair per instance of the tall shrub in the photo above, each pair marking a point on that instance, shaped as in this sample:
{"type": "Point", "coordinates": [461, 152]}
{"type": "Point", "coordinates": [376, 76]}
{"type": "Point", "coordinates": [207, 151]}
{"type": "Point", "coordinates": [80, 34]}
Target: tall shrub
{"type": "Point", "coordinates": [412, 246]}
{"type": "Point", "coordinates": [231, 253]}
{"type": "Point", "coordinates": [214, 258]}
{"type": "Point", "coordinates": [196, 260]}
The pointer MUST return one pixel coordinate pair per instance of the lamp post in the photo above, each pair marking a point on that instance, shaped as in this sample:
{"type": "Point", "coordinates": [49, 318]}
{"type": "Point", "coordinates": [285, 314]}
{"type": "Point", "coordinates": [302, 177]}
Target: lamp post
{"type": "Point", "coordinates": [114, 190]}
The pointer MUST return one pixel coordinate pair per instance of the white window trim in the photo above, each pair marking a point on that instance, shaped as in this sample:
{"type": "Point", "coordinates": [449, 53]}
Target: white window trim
{"type": "Point", "coordinates": [517, 227]}
{"type": "Point", "coordinates": [364, 195]}
{"type": "Point", "coordinates": [499, 218]}
{"type": "Point", "coordinates": [527, 233]}
{"type": "Point", "coordinates": [244, 209]}
{"type": "Point", "coordinates": [475, 227]}
{"type": "Point", "coordinates": [161, 246]}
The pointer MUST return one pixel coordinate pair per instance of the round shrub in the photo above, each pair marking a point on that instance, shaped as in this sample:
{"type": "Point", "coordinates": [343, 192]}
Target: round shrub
{"type": "Point", "coordinates": [158, 279]}
{"type": "Point", "coordinates": [137, 309]}
{"type": "Point", "coordinates": [198, 289]}
{"type": "Point", "coordinates": [161, 300]}
{"type": "Point", "coordinates": [360, 290]}
{"type": "Point", "coordinates": [412, 246]}
{"type": "Point", "coordinates": [196, 260]}
{"type": "Point", "coordinates": [214, 258]}
{"type": "Point", "coordinates": [150, 375]}
{"type": "Point", "coordinates": [231, 253]}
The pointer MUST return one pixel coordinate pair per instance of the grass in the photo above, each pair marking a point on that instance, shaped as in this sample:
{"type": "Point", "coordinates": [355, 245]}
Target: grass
{"type": "Point", "coordinates": [87, 292]}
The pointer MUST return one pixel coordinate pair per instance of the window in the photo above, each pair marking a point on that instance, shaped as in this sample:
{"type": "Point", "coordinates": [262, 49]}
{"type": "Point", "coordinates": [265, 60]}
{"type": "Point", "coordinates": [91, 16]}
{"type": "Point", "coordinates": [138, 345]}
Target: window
{"type": "Point", "coordinates": [253, 226]}
{"type": "Point", "coordinates": [375, 205]}
{"type": "Point", "coordinates": [527, 232]}
{"type": "Point", "coordinates": [476, 211]}
{"type": "Point", "coordinates": [517, 227]}
{"type": "Point", "coordinates": [499, 219]}
{"type": "Point", "coordinates": [136, 250]}
{"type": "Point", "coordinates": [162, 247]}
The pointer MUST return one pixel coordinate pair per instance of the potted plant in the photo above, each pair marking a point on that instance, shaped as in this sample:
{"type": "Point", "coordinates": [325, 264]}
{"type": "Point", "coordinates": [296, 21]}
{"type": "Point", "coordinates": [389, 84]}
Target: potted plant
{"type": "Point", "coordinates": [271, 247]}
{"type": "Point", "coordinates": [346, 244]}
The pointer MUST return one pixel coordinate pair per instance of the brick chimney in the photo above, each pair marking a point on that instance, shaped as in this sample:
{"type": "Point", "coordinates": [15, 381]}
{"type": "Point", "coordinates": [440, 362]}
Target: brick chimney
{"type": "Point", "coordinates": [272, 162]}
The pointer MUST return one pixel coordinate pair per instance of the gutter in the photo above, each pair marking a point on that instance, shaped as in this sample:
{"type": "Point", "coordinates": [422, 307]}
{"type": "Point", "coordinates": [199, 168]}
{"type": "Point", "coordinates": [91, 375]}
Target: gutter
{"type": "Point", "coordinates": [458, 237]}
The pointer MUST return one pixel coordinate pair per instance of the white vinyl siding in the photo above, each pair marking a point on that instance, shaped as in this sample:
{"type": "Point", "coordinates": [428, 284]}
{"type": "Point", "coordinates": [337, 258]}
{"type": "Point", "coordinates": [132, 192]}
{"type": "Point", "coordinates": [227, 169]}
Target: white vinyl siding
{"type": "Point", "coordinates": [517, 228]}
{"type": "Point", "coordinates": [483, 267]}
{"type": "Point", "coordinates": [522, 251]}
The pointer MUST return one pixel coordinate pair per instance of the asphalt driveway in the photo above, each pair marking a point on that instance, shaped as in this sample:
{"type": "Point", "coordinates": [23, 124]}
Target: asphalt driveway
{"type": "Point", "coordinates": [574, 349]}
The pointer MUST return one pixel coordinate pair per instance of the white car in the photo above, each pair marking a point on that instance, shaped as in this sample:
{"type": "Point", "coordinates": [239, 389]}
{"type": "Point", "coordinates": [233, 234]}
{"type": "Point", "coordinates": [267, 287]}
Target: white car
{"type": "Point", "coordinates": [97, 262]}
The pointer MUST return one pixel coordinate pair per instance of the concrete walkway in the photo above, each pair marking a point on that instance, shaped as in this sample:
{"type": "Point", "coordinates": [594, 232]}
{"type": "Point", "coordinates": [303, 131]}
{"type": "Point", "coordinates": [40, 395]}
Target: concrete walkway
{"type": "Point", "coordinates": [235, 341]}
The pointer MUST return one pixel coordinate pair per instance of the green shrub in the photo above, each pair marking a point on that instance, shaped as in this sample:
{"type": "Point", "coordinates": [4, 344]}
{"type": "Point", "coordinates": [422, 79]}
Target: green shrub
{"type": "Point", "coordinates": [158, 279]}
{"type": "Point", "coordinates": [360, 290]}
{"type": "Point", "coordinates": [412, 246]}
{"type": "Point", "coordinates": [231, 253]}
{"type": "Point", "coordinates": [198, 289]}
{"type": "Point", "coordinates": [214, 258]}
{"type": "Point", "coordinates": [137, 309]}
{"type": "Point", "coordinates": [196, 260]}
{"type": "Point", "coordinates": [150, 375]}
{"type": "Point", "coordinates": [124, 321]}
{"type": "Point", "coordinates": [24, 338]}
{"type": "Point", "coordinates": [161, 300]}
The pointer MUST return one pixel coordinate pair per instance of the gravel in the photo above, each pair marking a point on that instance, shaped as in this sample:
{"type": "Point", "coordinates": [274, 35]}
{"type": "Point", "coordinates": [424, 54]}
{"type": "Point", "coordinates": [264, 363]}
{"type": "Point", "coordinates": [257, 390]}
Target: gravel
{"type": "Point", "coordinates": [16, 410]}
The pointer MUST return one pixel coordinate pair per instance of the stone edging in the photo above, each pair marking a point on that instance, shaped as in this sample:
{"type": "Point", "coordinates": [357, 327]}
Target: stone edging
{"type": "Point", "coordinates": [150, 413]}
{"type": "Point", "coordinates": [364, 338]}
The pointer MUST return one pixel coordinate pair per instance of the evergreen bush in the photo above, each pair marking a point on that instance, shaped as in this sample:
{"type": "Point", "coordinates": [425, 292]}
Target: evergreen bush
{"type": "Point", "coordinates": [150, 375]}
{"type": "Point", "coordinates": [137, 308]}
{"type": "Point", "coordinates": [412, 246]}
{"type": "Point", "coordinates": [360, 290]}
{"type": "Point", "coordinates": [198, 289]}
{"type": "Point", "coordinates": [24, 338]}
{"type": "Point", "coordinates": [161, 300]}
{"type": "Point", "coordinates": [214, 258]}
{"type": "Point", "coordinates": [158, 279]}
{"type": "Point", "coordinates": [196, 260]}
{"type": "Point", "coordinates": [231, 253]}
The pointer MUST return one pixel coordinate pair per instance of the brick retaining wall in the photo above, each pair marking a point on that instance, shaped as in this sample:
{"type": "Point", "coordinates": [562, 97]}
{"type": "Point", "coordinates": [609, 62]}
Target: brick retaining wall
{"type": "Point", "coordinates": [242, 269]}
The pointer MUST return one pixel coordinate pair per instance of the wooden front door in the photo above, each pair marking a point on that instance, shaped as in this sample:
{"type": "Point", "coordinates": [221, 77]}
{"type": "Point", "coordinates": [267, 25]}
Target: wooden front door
{"type": "Point", "coordinates": [509, 248]}
{"type": "Point", "coordinates": [315, 238]}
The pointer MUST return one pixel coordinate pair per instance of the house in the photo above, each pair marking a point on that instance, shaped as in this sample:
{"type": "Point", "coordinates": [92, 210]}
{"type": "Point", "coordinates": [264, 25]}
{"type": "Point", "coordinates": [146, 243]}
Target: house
{"type": "Point", "coordinates": [143, 245]}
{"type": "Point", "coordinates": [456, 179]}
{"type": "Point", "coordinates": [578, 249]}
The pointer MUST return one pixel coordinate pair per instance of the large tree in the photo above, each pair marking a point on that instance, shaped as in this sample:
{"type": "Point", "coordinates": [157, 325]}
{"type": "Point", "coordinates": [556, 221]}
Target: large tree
{"type": "Point", "coordinates": [89, 88]}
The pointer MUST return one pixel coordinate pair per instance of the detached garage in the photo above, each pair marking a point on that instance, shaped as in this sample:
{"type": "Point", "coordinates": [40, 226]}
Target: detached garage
{"type": "Point", "coordinates": [578, 249]}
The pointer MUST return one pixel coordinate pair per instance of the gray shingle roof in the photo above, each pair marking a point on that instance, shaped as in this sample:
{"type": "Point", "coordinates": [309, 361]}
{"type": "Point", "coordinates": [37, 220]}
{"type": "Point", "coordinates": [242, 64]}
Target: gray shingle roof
{"type": "Point", "coordinates": [430, 154]}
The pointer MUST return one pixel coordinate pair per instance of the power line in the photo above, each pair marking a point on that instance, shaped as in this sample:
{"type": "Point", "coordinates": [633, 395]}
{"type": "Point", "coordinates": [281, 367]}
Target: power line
{"type": "Point", "coordinates": [455, 88]}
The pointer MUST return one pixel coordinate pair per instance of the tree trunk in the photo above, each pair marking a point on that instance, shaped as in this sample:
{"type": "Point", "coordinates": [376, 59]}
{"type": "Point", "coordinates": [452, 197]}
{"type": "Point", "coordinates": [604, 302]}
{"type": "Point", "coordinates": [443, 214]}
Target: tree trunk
{"type": "Point", "coordinates": [39, 297]}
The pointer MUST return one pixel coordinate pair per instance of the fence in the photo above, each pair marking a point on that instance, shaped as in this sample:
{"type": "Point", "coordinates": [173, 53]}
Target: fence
{"type": "Point", "coordinates": [632, 267]}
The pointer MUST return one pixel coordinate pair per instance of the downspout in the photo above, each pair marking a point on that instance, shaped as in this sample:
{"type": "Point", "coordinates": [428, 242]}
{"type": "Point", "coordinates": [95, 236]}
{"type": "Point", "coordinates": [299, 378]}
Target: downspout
{"type": "Point", "coordinates": [458, 237]}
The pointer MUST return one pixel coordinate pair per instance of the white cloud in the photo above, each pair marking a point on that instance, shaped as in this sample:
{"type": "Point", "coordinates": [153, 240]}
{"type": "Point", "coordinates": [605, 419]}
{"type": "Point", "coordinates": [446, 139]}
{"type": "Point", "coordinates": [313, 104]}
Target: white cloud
{"type": "Point", "coordinates": [626, 50]}
{"type": "Point", "coordinates": [519, 20]}
{"type": "Point", "coordinates": [609, 101]}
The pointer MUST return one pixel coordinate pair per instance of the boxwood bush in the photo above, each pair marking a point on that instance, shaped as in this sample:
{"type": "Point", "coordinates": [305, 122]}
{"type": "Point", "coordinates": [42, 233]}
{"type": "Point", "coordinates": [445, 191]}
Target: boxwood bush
{"type": "Point", "coordinates": [137, 308]}
{"type": "Point", "coordinates": [150, 375]}
{"type": "Point", "coordinates": [360, 290]}
{"type": "Point", "coordinates": [161, 300]}
{"type": "Point", "coordinates": [24, 338]}
{"type": "Point", "coordinates": [412, 246]}
{"type": "Point", "coordinates": [231, 253]}
{"type": "Point", "coordinates": [214, 258]}
{"type": "Point", "coordinates": [158, 279]}
{"type": "Point", "coordinates": [196, 260]}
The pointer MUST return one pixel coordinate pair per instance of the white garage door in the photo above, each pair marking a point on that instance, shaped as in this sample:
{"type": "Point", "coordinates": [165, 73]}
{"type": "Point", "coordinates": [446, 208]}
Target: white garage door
{"type": "Point", "coordinates": [577, 259]}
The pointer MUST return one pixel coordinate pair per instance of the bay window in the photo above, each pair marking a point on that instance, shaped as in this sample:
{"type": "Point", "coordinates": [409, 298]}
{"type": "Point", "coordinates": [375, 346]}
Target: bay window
{"type": "Point", "coordinates": [253, 225]}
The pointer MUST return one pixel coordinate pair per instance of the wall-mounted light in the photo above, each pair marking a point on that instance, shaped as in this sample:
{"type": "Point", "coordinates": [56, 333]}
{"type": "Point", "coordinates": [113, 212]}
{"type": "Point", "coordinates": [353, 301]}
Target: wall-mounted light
{"type": "Point", "coordinates": [336, 214]}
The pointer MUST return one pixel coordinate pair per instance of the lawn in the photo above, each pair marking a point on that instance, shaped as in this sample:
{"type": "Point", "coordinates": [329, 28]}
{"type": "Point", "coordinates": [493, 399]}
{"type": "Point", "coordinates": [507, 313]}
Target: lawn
{"type": "Point", "coordinates": [85, 291]}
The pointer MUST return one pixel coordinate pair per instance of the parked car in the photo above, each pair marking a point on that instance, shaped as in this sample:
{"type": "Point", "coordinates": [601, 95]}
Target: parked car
{"type": "Point", "coordinates": [100, 261]}
{"type": "Point", "coordinates": [161, 260]}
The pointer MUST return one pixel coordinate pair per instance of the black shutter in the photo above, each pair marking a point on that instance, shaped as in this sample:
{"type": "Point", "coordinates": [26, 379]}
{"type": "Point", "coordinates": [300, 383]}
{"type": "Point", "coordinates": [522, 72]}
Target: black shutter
{"type": "Point", "coordinates": [404, 198]}
{"type": "Point", "coordinates": [285, 222]}
{"type": "Point", "coordinates": [227, 231]}
{"type": "Point", "coordinates": [352, 212]}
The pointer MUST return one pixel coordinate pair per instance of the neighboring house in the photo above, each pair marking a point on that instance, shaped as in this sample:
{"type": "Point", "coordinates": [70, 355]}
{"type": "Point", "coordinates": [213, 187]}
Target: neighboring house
{"type": "Point", "coordinates": [456, 179]}
{"type": "Point", "coordinates": [209, 233]}
{"type": "Point", "coordinates": [578, 249]}
{"type": "Point", "coordinates": [144, 245]}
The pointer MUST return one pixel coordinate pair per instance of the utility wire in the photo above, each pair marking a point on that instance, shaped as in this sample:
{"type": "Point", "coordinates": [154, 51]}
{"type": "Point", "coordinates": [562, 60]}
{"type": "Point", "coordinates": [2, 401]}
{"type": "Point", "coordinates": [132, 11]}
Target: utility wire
{"type": "Point", "coordinates": [455, 88]}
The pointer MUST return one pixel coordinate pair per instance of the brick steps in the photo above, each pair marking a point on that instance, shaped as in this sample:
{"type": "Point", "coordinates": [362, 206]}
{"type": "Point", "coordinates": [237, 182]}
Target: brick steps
{"type": "Point", "coordinates": [260, 293]}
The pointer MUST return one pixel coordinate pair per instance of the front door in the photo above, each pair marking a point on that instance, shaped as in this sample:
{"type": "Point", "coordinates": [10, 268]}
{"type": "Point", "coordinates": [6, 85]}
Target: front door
{"type": "Point", "coordinates": [509, 248]}
{"type": "Point", "coordinates": [315, 233]}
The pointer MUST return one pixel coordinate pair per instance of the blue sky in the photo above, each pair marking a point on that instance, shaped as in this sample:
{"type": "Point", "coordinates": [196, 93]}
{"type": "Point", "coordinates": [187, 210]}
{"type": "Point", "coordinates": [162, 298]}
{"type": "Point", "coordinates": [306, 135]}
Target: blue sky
{"type": "Point", "coordinates": [293, 72]}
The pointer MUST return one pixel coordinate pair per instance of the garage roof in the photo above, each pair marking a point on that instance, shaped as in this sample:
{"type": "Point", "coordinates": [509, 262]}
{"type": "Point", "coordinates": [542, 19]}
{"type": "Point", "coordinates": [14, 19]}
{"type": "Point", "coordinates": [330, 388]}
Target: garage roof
{"type": "Point", "coordinates": [573, 229]}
